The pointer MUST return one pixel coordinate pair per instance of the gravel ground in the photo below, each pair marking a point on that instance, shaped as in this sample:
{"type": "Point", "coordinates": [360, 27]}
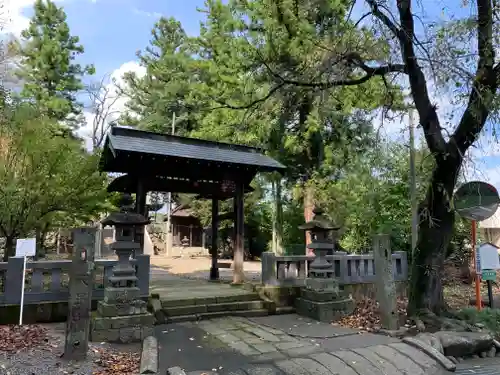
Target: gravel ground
{"type": "Point", "coordinates": [40, 361]}
{"type": "Point", "coordinates": [45, 359]}
{"type": "Point", "coordinates": [199, 267]}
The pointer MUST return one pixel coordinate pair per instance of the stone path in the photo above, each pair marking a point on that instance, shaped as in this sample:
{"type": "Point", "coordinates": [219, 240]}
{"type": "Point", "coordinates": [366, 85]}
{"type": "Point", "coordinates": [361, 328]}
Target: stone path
{"type": "Point", "coordinates": [285, 344]}
{"type": "Point", "coordinates": [482, 366]}
{"type": "Point", "coordinates": [173, 287]}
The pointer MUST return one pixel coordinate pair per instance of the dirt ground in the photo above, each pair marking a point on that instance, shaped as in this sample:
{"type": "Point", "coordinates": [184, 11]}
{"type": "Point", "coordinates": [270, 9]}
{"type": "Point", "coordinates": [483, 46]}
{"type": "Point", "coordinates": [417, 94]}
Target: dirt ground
{"type": "Point", "coordinates": [186, 265]}
{"type": "Point", "coordinates": [458, 293]}
{"type": "Point", "coordinates": [38, 349]}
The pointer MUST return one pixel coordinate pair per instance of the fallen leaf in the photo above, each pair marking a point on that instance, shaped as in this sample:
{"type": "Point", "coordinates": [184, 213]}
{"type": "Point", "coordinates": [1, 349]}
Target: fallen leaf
{"type": "Point", "coordinates": [15, 338]}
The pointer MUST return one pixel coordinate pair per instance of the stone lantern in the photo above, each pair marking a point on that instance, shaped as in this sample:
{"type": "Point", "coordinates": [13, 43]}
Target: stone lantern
{"type": "Point", "coordinates": [323, 243]}
{"type": "Point", "coordinates": [321, 298]}
{"type": "Point", "coordinates": [122, 315]}
{"type": "Point", "coordinates": [126, 224]}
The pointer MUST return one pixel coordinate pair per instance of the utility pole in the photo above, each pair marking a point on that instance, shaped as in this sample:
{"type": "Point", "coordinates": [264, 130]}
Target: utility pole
{"type": "Point", "coordinates": [413, 186]}
{"type": "Point", "coordinates": [169, 204]}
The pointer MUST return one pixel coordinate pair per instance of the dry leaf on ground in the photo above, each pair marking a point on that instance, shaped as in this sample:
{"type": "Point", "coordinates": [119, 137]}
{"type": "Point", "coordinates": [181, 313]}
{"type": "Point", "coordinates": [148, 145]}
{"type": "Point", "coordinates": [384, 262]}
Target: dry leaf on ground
{"type": "Point", "coordinates": [117, 363]}
{"type": "Point", "coordinates": [366, 315]}
{"type": "Point", "coordinates": [14, 338]}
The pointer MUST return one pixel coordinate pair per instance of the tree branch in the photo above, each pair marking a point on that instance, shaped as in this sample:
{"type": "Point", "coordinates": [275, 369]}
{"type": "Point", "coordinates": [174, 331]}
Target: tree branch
{"type": "Point", "coordinates": [418, 84]}
{"type": "Point", "coordinates": [485, 84]}
{"type": "Point", "coordinates": [350, 58]}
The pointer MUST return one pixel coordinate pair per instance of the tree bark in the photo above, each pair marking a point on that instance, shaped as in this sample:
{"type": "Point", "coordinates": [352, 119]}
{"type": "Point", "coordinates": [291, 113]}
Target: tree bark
{"type": "Point", "coordinates": [308, 210]}
{"type": "Point", "coordinates": [9, 248]}
{"type": "Point", "coordinates": [279, 217]}
{"type": "Point", "coordinates": [277, 244]}
{"type": "Point", "coordinates": [273, 217]}
{"type": "Point", "coordinates": [437, 220]}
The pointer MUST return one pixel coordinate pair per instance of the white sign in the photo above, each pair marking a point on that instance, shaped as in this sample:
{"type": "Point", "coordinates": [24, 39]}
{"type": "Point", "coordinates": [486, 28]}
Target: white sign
{"type": "Point", "coordinates": [26, 247]}
{"type": "Point", "coordinates": [488, 256]}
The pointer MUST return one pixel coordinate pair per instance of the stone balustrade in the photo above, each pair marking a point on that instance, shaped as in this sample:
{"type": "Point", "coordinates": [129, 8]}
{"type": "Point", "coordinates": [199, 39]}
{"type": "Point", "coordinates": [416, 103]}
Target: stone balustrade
{"type": "Point", "coordinates": [47, 281]}
{"type": "Point", "coordinates": [348, 268]}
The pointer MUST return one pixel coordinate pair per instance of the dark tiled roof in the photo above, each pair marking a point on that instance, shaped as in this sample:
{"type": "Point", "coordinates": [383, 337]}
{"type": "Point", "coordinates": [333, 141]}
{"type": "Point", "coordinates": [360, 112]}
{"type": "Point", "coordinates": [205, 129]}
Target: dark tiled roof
{"type": "Point", "coordinates": [131, 140]}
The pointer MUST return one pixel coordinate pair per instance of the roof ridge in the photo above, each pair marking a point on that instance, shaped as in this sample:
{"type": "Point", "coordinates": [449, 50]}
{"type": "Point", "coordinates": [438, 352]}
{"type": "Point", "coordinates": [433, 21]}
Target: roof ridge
{"type": "Point", "coordinates": [143, 134]}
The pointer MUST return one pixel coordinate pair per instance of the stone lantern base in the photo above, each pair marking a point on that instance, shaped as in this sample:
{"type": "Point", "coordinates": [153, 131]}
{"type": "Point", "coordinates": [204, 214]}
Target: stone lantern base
{"type": "Point", "coordinates": [322, 300]}
{"type": "Point", "coordinates": [121, 317]}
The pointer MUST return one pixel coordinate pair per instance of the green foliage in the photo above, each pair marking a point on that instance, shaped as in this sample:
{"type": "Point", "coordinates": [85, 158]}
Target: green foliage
{"type": "Point", "coordinates": [270, 74]}
{"type": "Point", "coordinates": [490, 318]}
{"type": "Point", "coordinates": [374, 196]}
{"type": "Point", "coordinates": [43, 178]}
{"type": "Point", "coordinates": [166, 88]}
{"type": "Point", "coordinates": [50, 75]}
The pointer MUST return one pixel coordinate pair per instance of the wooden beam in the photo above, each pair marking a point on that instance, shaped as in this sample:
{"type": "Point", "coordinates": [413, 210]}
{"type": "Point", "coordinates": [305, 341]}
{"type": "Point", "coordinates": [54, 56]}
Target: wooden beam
{"type": "Point", "coordinates": [239, 243]}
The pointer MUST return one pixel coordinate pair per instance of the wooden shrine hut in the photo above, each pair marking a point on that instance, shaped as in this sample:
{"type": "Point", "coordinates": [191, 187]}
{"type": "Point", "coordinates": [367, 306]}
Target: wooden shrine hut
{"type": "Point", "coordinates": [167, 163]}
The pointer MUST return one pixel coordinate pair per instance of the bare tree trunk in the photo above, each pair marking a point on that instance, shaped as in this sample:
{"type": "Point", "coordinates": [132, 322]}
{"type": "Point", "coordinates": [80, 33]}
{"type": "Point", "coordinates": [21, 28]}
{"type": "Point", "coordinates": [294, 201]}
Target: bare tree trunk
{"type": "Point", "coordinates": [273, 217]}
{"type": "Point", "coordinates": [308, 209]}
{"type": "Point", "coordinates": [435, 232]}
{"type": "Point", "coordinates": [279, 217]}
{"type": "Point", "coordinates": [9, 248]}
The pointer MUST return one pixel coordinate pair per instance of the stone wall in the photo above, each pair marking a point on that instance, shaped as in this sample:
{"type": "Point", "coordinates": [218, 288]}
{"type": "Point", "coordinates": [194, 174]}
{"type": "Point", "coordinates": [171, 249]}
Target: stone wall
{"type": "Point", "coordinates": [286, 295]}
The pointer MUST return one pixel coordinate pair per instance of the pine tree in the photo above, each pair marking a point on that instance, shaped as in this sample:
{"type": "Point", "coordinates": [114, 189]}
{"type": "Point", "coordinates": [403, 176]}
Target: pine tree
{"type": "Point", "coordinates": [50, 75]}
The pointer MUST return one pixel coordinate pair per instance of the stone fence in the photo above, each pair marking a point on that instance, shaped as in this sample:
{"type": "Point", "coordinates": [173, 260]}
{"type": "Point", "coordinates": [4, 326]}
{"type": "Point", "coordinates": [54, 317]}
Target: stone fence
{"type": "Point", "coordinates": [292, 270]}
{"type": "Point", "coordinates": [47, 281]}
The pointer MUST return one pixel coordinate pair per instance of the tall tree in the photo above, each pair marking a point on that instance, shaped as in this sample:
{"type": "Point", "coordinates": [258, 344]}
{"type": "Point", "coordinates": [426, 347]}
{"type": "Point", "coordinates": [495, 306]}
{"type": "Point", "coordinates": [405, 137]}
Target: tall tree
{"type": "Point", "coordinates": [355, 53]}
{"type": "Point", "coordinates": [204, 80]}
{"type": "Point", "coordinates": [51, 76]}
{"type": "Point", "coordinates": [42, 175]}
{"type": "Point", "coordinates": [243, 40]}
{"type": "Point", "coordinates": [165, 89]}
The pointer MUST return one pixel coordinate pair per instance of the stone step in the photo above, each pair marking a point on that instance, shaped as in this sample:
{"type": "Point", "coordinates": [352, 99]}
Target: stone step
{"type": "Point", "coordinates": [215, 308]}
{"type": "Point", "coordinates": [217, 314]}
{"type": "Point", "coordinates": [284, 310]}
{"type": "Point", "coordinates": [177, 302]}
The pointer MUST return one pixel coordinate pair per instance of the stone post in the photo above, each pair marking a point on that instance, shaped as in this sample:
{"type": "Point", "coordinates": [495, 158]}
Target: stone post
{"type": "Point", "coordinates": [384, 282]}
{"type": "Point", "coordinates": [80, 294]}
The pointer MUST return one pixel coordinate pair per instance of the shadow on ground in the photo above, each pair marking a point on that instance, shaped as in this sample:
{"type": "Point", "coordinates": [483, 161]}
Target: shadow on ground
{"type": "Point", "coordinates": [193, 349]}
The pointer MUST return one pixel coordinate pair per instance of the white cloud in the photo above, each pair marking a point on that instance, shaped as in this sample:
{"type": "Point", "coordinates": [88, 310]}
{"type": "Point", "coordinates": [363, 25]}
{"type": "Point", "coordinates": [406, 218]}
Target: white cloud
{"type": "Point", "coordinates": [114, 102]}
{"type": "Point", "coordinates": [141, 12]}
{"type": "Point", "coordinates": [12, 16]}
{"type": "Point", "coordinates": [15, 21]}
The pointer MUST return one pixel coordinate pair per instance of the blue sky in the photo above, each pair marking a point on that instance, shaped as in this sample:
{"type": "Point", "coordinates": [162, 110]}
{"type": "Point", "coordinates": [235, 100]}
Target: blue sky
{"type": "Point", "coordinates": [112, 31]}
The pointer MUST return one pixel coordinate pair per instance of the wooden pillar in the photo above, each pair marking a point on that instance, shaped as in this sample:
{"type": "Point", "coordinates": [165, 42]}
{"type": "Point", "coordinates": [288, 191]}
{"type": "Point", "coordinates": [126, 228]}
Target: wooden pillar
{"type": "Point", "coordinates": [239, 241]}
{"type": "Point", "coordinates": [214, 270]}
{"type": "Point", "coordinates": [140, 207]}
{"type": "Point", "coordinates": [140, 198]}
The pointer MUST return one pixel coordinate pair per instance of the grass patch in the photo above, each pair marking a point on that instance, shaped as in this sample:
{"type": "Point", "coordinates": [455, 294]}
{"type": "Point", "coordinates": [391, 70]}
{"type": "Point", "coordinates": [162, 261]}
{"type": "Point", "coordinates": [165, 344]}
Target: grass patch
{"type": "Point", "coordinates": [490, 318]}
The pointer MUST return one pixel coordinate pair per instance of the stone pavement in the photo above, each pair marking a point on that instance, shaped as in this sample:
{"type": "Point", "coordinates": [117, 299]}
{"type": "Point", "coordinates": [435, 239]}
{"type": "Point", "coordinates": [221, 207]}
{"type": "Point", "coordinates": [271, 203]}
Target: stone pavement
{"type": "Point", "coordinates": [480, 366]}
{"type": "Point", "coordinates": [174, 287]}
{"type": "Point", "coordinates": [285, 344]}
